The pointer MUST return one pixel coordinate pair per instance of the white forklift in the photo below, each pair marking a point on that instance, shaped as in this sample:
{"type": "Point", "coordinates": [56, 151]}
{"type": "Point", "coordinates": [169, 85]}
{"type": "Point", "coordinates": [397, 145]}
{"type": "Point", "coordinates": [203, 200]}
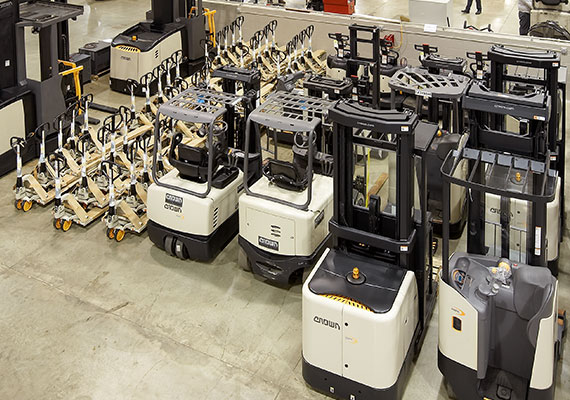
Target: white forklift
{"type": "Point", "coordinates": [193, 209]}
{"type": "Point", "coordinates": [367, 303]}
{"type": "Point", "coordinates": [500, 330]}
{"type": "Point", "coordinates": [284, 215]}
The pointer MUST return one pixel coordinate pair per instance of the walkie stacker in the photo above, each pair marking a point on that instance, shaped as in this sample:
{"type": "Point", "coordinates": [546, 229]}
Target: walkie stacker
{"type": "Point", "coordinates": [367, 303]}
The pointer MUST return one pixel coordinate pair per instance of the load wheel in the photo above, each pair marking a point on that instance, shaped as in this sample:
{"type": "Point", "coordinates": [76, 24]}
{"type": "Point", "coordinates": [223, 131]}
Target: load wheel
{"type": "Point", "coordinates": [119, 235]}
{"type": "Point", "coordinates": [57, 223]}
{"type": "Point", "coordinates": [18, 204]}
{"type": "Point", "coordinates": [27, 206]}
{"type": "Point", "coordinates": [66, 225]}
{"type": "Point", "coordinates": [111, 233]}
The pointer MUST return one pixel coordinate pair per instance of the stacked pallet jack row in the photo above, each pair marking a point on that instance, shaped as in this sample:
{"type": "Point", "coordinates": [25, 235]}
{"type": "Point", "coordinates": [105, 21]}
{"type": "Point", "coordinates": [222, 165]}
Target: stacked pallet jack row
{"type": "Point", "coordinates": [105, 174]}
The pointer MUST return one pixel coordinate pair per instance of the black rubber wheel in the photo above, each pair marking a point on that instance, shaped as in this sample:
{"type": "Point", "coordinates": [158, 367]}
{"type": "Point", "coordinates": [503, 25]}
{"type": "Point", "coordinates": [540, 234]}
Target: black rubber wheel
{"type": "Point", "coordinates": [243, 261]}
{"type": "Point", "coordinates": [449, 389]}
{"type": "Point", "coordinates": [169, 243]}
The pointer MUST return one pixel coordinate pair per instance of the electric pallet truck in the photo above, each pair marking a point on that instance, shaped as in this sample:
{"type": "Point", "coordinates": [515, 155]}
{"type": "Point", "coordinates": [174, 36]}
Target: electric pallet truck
{"type": "Point", "coordinates": [173, 26]}
{"type": "Point", "coordinates": [500, 330]}
{"type": "Point", "coordinates": [367, 303]}
{"type": "Point", "coordinates": [284, 215]}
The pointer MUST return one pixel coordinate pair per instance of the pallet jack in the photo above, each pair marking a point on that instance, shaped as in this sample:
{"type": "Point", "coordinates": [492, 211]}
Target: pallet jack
{"type": "Point", "coordinates": [500, 330]}
{"type": "Point", "coordinates": [193, 209]}
{"type": "Point", "coordinates": [284, 215]}
{"type": "Point", "coordinates": [367, 303]}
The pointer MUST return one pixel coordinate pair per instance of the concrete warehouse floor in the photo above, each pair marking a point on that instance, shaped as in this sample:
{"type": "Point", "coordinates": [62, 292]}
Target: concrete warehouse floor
{"type": "Point", "coordinates": [82, 317]}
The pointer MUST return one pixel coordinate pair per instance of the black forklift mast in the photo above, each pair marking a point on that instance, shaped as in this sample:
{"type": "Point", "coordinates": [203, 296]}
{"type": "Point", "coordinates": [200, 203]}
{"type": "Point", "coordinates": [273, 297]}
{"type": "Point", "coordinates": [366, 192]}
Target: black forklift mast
{"type": "Point", "coordinates": [168, 11]}
{"type": "Point", "coordinates": [353, 60]}
{"type": "Point", "coordinates": [250, 82]}
{"type": "Point", "coordinates": [501, 58]}
{"type": "Point", "coordinates": [404, 238]}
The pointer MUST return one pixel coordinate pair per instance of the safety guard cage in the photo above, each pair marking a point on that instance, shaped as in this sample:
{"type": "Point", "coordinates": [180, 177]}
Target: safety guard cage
{"type": "Point", "coordinates": [287, 112]}
{"type": "Point", "coordinates": [422, 83]}
{"type": "Point", "coordinates": [535, 183]}
{"type": "Point", "coordinates": [194, 106]}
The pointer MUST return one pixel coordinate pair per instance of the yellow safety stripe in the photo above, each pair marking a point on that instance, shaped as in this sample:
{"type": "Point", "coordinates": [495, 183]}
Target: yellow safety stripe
{"type": "Point", "coordinates": [129, 49]}
{"type": "Point", "coordinates": [347, 301]}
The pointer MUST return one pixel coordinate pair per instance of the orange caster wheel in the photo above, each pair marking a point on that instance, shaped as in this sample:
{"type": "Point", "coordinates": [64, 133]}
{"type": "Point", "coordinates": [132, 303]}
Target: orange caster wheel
{"type": "Point", "coordinates": [57, 224]}
{"type": "Point", "coordinates": [111, 233]}
{"type": "Point", "coordinates": [119, 236]}
{"type": "Point", "coordinates": [66, 225]}
{"type": "Point", "coordinates": [27, 206]}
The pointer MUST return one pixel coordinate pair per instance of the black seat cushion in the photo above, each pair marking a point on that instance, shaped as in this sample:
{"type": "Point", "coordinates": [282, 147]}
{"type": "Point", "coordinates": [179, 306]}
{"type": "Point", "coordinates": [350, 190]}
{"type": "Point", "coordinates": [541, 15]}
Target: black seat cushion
{"type": "Point", "coordinates": [285, 175]}
{"type": "Point", "coordinates": [191, 162]}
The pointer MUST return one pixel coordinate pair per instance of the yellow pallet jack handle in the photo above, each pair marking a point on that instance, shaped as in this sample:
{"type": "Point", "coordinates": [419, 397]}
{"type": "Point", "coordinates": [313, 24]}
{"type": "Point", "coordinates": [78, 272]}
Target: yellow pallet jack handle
{"type": "Point", "coordinates": [209, 14]}
{"type": "Point", "coordinates": [75, 70]}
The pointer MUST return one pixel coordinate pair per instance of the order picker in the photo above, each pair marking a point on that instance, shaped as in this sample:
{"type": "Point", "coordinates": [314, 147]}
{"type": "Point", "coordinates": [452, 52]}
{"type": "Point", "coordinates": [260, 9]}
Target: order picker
{"type": "Point", "coordinates": [367, 303]}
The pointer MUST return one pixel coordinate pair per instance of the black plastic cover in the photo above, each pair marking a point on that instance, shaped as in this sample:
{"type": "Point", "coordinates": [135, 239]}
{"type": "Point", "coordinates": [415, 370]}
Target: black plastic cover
{"type": "Point", "coordinates": [378, 292]}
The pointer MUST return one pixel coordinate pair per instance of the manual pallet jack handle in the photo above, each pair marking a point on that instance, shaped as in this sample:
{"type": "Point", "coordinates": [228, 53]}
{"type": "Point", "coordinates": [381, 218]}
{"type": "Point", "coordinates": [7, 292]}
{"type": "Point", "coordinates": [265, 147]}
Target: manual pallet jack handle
{"type": "Point", "coordinates": [111, 171]}
{"type": "Point", "coordinates": [143, 143]}
{"type": "Point", "coordinates": [18, 144]}
{"type": "Point", "coordinates": [478, 67]}
{"type": "Point", "coordinates": [40, 135]}
{"type": "Point", "coordinates": [146, 80]}
{"type": "Point", "coordinates": [114, 121]}
{"type": "Point", "coordinates": [58, 127]}
{"type": "Point", "coordinates": [58, 163]}
{"type": "Point", "coordinates": [425, 50]}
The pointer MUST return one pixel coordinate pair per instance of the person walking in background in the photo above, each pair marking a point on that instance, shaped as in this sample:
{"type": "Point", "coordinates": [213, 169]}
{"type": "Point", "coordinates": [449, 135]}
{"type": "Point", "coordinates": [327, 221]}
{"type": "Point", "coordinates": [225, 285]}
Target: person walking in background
{"type": "Point", "coordinates": [468, 7]}
{"type": "Point", "coordinates": [524, 16]}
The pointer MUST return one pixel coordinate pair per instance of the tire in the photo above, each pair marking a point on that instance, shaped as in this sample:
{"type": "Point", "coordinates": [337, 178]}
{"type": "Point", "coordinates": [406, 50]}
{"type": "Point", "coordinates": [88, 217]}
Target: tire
{"type": "Point", "coordinates": [243, 261]}
{"type": "Point", "coordinates": [169, 245]}
{"type": "Point", "coordinates": [66, 225]}
{"type": "Point", "coordinates": [119, 235]}
{"type": "Point", "coordinates": [57, 223]}
{"type": "Point", "coordinates": [449, 389]}
{"type": "Point", "coordinates": [110, 233]}
{"type": "Point", "coordinates": [27, 206]}
{"type": "Point", "coordinates": [18, 204]}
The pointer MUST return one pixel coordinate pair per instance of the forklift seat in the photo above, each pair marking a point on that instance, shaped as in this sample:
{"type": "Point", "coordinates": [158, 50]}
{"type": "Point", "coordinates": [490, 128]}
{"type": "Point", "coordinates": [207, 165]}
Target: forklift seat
{"type": "Point", "coordinates": [286, 175]}
{"type": "Point", "coordinates": [191, 162]}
